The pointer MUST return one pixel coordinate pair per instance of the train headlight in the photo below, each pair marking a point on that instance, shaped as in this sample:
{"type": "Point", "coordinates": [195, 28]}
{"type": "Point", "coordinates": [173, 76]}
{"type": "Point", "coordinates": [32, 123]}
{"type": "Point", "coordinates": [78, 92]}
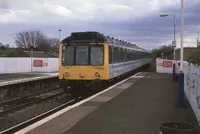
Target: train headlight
{"type": "Point", "coordinates": [66, 74]}
{"type": "Point", "coordinates": [97, 75]}
{"type": "Point", "coordinates": [81, 75]}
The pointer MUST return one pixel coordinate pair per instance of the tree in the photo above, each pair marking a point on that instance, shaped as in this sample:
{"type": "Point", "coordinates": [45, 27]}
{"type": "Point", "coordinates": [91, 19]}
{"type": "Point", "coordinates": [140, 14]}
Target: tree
{"type": "Point", "coordinates": [37, 40]}
{"type": "Point", "coordinates": [2, 47]}
{"type": "Point", "coordinates": [32, 38]}
{"type": "Point", "coordinates": [7, 46]}
{"type": "Point", "coordinates": [54, 44]}
{"type": "Point", "coordinates": [166, 50]}
{"type": "Point", "coordinates": [198, 43]}
{"type": "Point", "coordinates": [194, 58]}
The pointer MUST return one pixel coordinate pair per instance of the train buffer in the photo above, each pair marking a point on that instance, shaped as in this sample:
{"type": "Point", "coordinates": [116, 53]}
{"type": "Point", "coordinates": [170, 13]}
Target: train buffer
{"type": "Point", "coordinates": [135, 106]}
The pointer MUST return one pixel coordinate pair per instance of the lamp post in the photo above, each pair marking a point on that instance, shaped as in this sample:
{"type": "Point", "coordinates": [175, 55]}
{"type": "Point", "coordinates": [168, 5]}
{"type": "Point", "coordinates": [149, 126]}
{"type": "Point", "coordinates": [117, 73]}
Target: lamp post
{"type": "Point", "coordinates": [31, 57]}
{"type": "Point", "coordinates": [174, 41]}
{"type": "Point", "coordinates": [181, 74]}
{"type": "Point", "coordinates": [198, 39]}
{"type": "Point", "coordinates": [59, 31]}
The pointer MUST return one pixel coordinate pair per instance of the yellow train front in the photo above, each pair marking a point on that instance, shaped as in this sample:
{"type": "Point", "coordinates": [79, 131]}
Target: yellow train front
{"type": "Point", "coordinates": [83, 61]}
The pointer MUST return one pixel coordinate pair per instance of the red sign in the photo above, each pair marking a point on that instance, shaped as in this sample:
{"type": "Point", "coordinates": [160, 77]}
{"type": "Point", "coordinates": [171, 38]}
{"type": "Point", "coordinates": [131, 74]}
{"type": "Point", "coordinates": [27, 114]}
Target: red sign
{"type": "Point", "coordinates": [45, 63]}
{"type": "Point", "coordinates": [167, 63]}
{"type": "Point", "coordinates": [37, 63]}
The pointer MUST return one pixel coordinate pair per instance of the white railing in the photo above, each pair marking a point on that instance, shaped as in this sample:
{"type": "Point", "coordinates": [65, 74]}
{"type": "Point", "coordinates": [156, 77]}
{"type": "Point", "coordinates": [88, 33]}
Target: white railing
{"type": "Point", "coordinates": [192, 87]}
{"type": "Point", "coordinates": [20, 65]}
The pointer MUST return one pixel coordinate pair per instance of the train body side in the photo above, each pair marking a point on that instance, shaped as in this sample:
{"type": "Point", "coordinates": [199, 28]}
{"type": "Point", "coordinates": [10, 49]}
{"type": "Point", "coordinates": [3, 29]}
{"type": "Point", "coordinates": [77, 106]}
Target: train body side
{"type": "Point", "coordinates": [118, 69]}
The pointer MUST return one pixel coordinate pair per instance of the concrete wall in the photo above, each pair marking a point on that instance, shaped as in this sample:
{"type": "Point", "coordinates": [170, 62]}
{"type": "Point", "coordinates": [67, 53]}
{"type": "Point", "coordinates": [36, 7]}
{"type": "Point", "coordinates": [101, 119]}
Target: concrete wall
{"type": "Point", "coordinates": [19, 65]}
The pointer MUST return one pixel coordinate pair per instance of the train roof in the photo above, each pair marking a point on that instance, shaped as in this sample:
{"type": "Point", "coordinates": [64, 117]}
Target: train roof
{"type": "Point", "coordinates": [94, 36]}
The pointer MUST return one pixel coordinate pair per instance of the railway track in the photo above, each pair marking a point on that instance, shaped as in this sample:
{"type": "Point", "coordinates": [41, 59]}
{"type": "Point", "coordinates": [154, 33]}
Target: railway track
{"type": "Point", "coordinates": [34, 119]}
{"type": "Point", "coordinates": [27, 96]}
{"type": "Point", "coordinates": [19, 103]}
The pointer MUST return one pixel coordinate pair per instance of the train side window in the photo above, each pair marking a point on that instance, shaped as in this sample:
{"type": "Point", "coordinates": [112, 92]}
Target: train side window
{"type": "Point", "coordinates": [136, 55]}
{"type": "Point", "coordinates": [132, 55]}
{"type": "Point", "coordinates": [129, 55]}
{"type": "Point", "coordinates": [126, 55]}
{"type": "Point", "coordinates": [139, 55]}
{"type": "Point", "coordinates": [118, 54]}
{"type": "Point", "coordinates": [114, 54]}
{"type": "Point", "coordinates": [110, 55]}
{"type": "Point", "coordinates": [124, 59]}
{"type": "Point", "coordinates": [121, 55]}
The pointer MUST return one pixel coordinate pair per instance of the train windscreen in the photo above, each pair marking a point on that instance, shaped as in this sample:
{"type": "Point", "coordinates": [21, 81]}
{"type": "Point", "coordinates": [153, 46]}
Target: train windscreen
{"type": "Point", "coordinates": [83, 55]}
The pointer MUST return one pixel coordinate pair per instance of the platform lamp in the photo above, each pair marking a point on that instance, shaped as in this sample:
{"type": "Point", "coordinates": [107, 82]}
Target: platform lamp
{"type": "Point", "coordinates": [59, 31]}
{"type": "Point", "coordinates": [174, 41]}
{"type": "Point", "coordinates": [31, 46]}
{"type": "Point", "coordinates": [181, 74]}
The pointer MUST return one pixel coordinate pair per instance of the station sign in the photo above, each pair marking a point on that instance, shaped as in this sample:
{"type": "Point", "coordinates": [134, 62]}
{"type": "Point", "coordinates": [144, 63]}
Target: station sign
{"type": "Point", "coordinates": [174, 43]}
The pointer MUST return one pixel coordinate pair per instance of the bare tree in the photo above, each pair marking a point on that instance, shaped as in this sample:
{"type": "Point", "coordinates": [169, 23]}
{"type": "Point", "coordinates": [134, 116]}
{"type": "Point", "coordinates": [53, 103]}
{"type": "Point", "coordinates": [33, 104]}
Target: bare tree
{"type": "Point", "coordinates": [37, 40]}
{"type": "Point", "coordinates": [2, 46]}
{"type": "Point", "coordinates": [7, 46]}
{"type": "Point", "coordinates": [54, 44]}
{"type": "Point", "coordinates": [28, 39]}
{"type": "Point", "coordinates": [198, 43]}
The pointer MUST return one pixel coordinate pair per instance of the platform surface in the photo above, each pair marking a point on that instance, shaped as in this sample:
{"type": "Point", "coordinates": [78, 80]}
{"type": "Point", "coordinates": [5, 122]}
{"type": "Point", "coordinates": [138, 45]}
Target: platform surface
{"type": "Point", "coordinates": [20, 77]}
{"type": "Point", "coordinates": [137, 106]}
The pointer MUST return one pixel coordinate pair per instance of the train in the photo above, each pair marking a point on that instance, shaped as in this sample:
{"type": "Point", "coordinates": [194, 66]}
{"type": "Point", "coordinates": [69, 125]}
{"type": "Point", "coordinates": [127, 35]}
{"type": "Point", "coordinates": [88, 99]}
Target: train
{"type": "Point", "coordinates": [91, 59]}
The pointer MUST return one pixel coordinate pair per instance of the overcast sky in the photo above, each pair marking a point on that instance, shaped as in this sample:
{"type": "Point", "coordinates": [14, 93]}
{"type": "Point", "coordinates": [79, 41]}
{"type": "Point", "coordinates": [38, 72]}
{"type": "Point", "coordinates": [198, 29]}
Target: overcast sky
{"type": "Point", "coordinates": [135, 21]}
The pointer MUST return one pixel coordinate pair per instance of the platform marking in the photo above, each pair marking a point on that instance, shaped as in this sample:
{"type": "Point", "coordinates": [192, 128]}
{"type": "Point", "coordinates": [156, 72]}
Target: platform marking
{"type": "Point", "coordinates": [40, 122]}
{"type": "Point", "coordinates": [137, 73]}
{"type": "Point", "coordinates": [101, 99]}
{"type": "Point", "coordinates": [137, 77]}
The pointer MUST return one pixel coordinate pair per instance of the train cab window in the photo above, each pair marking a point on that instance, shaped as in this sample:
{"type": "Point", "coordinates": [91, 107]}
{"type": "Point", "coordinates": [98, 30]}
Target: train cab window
{"type": "Point", "coordinates": [67, 55]}
{"type": "Point", "coordinates": [97, 55]}
{"type": "Point", "coordinates": [82, 55]}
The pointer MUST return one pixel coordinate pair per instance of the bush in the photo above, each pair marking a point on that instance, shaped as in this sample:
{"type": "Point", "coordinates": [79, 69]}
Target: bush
{"type": "Point", "coordinates": [194, 58]}
{"type": "Point", "coordinates": [12, 52]}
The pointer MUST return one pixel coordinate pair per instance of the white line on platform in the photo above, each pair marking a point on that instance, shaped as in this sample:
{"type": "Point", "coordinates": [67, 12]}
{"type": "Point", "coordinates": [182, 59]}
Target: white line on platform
{"type": "Point", "coordinates": [137, 73]}
{"type": "Point", "coordinates": [39, 123]}
{"type": "Point", "coordinates": [137, 77]}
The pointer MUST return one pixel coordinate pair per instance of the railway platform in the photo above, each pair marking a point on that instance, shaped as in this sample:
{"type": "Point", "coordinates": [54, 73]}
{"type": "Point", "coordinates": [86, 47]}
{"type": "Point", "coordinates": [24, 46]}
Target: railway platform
{"type": "Point", "coordinates": [15, 78]}
{"type": "Point", "coordinates": [136, 105]}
